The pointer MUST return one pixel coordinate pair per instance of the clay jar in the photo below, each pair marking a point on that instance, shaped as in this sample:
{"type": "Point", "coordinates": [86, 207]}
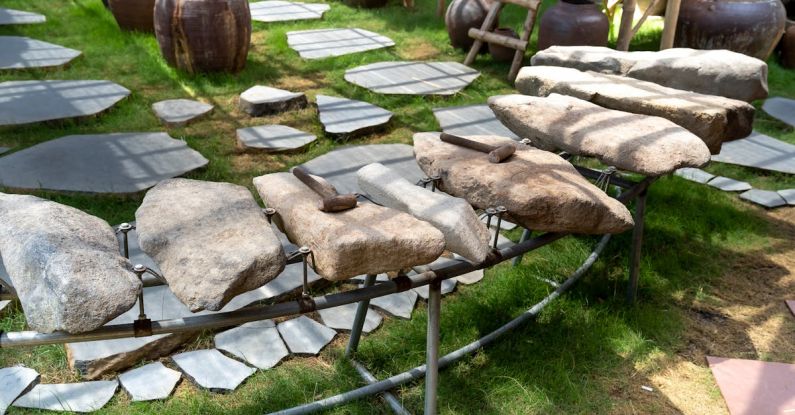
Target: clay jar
{"type": "Point", "coordinates": [502, 53]}
{"type": "Point", "coordinates": [366, 4]}
{"type": "Point", "coordinates": [787, 46]}
{"type": "Point", "coordinates": [461, 16]}
{"type": "Point", "coordinates": [573, 23]}
{"type": "Point", "coordinates": [133, 14]}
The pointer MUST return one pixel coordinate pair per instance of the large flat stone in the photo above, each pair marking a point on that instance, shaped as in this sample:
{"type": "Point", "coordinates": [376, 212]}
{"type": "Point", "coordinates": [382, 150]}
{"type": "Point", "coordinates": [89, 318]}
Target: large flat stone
{"type": "Point", "coordinates": [128, 163]}
{"type": "Point", "coordinates": [324, 43]}
{"type": "Point", "coordinates": [258, 343]}
{"type": "Point", "coordinates": [713, 72]}
{"type": "Point", "coordinates": [305, 336]}
{"type": "Point", "coordinates": [448, 286]}
{"type": "Point", "coordinates": [23, 53]}
{"type": "Point", "coordinates": [761, 152]}
{"type": "Point", "coordinates": [413, 77]}
{"type": "Point", "coordinates": [694, 175]}
{"type": "Point", "coordinates": [349, 118]}
{"type": "Point", "coordinates": [15, 381]}
{"type": "Point", "coordinates": [766, 198]}
{"type": "Point", "coordinates": [647, 145]}
{"type": "Point", "coordinates": [4, 149]}
{"type": "Point", "coordinates": [754, 387]}
{"type": "Point", "coordinates": [151, 382]}
{"type": "Point", "coordinates": [26, 102]}
{"type": "Point", "coordinates": [274, 138]}
{"type": "Point", "coordinates": [69, 397]}
{"type": "Point", "coordinates": [471, 120]}
{"type": "Point", "coordinates": [540, 190]}
{"type": "Point", "coordinates": [729, 185]}
{"type": "Point", "coordinates": [263, 100]}
{"type": "Point", "coordinates": [282, 11]}
{"type": "Point", "coordinates": [11, 16]}
{"type": "Point", "coordinates": [470, 278]}
{"type": "Point", "coordinates": [712, 118]}
{"type": "Point", "coordinates": [788, 195]}
{"type": "Point", "coordinates": [341, 318]}
{"type": "Point", "coordinates": [399, 305]}
{"type": "Point", "coordinates": [3, 305]}
{"type": "Point", "coordinates": [180, 112]}
{"type": "Point", "coordinates": [782, 109]}
{"type": "Point", "coordinates": [211, 370]}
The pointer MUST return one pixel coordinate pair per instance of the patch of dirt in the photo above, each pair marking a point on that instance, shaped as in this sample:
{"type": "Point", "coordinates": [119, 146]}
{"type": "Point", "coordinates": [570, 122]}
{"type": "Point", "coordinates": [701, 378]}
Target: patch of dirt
{"type": "Point", "coordinates": [418, 49]}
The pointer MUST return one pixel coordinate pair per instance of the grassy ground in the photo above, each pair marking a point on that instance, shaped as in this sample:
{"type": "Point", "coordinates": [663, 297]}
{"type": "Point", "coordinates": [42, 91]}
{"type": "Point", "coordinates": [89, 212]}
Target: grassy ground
{"type": "Point", "coordinates": [588, 353]}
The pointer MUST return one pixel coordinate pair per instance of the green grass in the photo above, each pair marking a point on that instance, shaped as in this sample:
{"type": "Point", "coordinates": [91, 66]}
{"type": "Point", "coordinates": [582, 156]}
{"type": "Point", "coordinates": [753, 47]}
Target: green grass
{"type": "Point", "coordinates": [578, 356]}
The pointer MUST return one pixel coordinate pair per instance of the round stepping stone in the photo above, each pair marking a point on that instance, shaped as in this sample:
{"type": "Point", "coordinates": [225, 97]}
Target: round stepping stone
{"type": "Point", "coordinates": [11, 16]}
{"type": "Point", "coordinates": [471, 120]}
{"type": "Point", "coordinates": [348, 118]}
{"type": "Point", "coordinates": [211, 370]}
{"type": "Point", "coordinates": [69, 397]}
{"type": "Point", "coordinates": [283, 11]}
{"type": "Point", "coordinates": [782, 109]}
{"type": "Point", "coordinates": [323, 43]}
{"type": "Point", "coordinates": [258, 343]}
{"type": "Point", "coordinates": [399, 305]}
{"type": "Point", "coordinates": [694, 175]}
{"type": "Point", "coordinates": [13, 382]}
{"type": "Point", "coordinates": [263, 100]}
{"type": "Point", "coordinates": [759, 151]}
{"type": "Point", "coordinates": [180, 112]}
{"type": "Point", "coordinates": [305, 336]}
{"type": "Point", "coordinates": [788, 195]}
{"type": "Point", "coordinates": [413, 78]}
{"type": "Point", "coordinates": [766, 198]}
{"type": "Point", "coordinates": [22, 52]}
{"type": "Point", "coordinates": [729, 185]}
{"type": "Point", "coordinates": [103, 163]}
{"type": "Point", "coordinates": [274, 138]}
{"type": "Point", "coordinates": [25, 102]}
{"type": "Point", "coordinates": [341, 318]}
{"type": "Point", "coordinates": [151, 382]}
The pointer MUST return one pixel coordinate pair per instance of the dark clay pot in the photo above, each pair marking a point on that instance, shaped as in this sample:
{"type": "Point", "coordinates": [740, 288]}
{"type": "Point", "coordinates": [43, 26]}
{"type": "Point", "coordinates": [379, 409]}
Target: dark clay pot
{"type": "Point", "coordinates": [502, 53]}
{"type": "Point", "coordinates": [366, 4]}
{"type": "Point", "coordinates": [787, 46]}
{"type": "Point", "coordinates": [204, 35]}
{"type": "Point", "coordinates": [461, 16]}
{"type": "Point", "coordinates": [134, 14]}
{"type": "Point", "coordinates": [752, 27]}
{"type": "Point", "coordinates": [573, 24]}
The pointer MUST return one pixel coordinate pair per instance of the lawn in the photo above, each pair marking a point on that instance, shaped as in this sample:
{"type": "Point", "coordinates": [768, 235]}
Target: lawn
{"type": "Point", "coordinates": [706, 252]}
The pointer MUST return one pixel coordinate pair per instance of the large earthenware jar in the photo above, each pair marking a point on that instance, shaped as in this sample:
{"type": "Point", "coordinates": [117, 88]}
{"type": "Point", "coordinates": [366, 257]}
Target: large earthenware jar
{"type": "Point", "coordinates": [752, 27]}
{"type": "Point", "coordinates": [134, 14]}
{"type": "Point", "coordinates": [204, 35]}
{"type": "Point", "coordinates": [503, 53]}
{"type": "Point", "coordinates": [787, 46]}
{"type": "Point", "coordinates": [573, 23]}
{"type": "Point", "coordinates": [366, 4]}
{"type": "Point", "coordinates": [461, 16]}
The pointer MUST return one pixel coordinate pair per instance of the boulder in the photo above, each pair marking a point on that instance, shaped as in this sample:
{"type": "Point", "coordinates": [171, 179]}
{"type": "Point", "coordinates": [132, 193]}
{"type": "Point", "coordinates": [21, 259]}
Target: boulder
{"type": "Point", "coordinates": [652, 146]}
{"type": "Point", "coordinates": [210, 240]}
{"type": "Point", "coordinates": [713, 72]}
{"type": "Point", "coordinates": [368, 239]}
{"type": "Point", "coordinates": [64, 264]}
{"type": "Point", "coordinates": [540, 190]}
{"type": "Point", "coordinates": [464, 233]}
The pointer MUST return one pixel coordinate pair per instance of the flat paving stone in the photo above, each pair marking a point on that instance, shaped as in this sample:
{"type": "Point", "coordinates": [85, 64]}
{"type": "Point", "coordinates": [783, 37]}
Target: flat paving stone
{"type": "Point", "coordinates": [470, 278]}
{"type": "Point", "coordinates": [759, 151]}
{"type": "Point", "coordinates": [694, 175]}
{"type": "Point", "coordinates": [305, 336]}
{"type": "Point", "coordinates": [448, 286]}
{"type": "Point", "coordinates": [766, 198]}
{"type": "Point", "coordinates": [348, 117]}
{"type": "Point", "coordinates": [151, 382]}
{"type": "Point", "coordinates": [11, 16]}
{"type": "Point", "coordinates": [211, 370]}
{"type": "Point", "coordinates": [324, 43]}
{"type": "Point", "coordinates": [3, 305]}
{"type": "Point", "coordinates": [264, 100]}
{"type": "Point", "coordinates": [754, 387]}
{"type": "Point", "coordinates": [504, 224]}
{"type": "Point", "coordinates": [413, 77]}
{"type": "Point", "coordinates": [360, 278]}
{"type": "Point", "coordinates": [729, 185]}
{"type": "Point", "coordinates": [341, 318]}
{"type": "Point", "coordinates": [69, 397]}
{"type": "Point", "coordinates": [791, 306]}
{"type": "Point", "coordinates": [782, 109]}
{"type": "Point", "coordinates": [25, 102]}
{"type": "Point", "coordinates": [20, 52]}
{"type": "Point", "coordinates": [4, 150]}
{"type": "Point", "coordinates": [180, 112]}
{"type": "Point", "coordinates": [399, 305]}
{"type": "Point", "coordinates": [14, 381]}
{"type": "Point", "coordinates": [471, 120]}
{"type": "Point", "coordinates": [274, 138]}
{"type": "Point", "coordinates": [103, 163]}
{"type": "Point", "coordinates": [258, 343]}
{"type": "Point", "coordinates": [788, 195]}
{"type": "Point", "coordinates": [283, 11]}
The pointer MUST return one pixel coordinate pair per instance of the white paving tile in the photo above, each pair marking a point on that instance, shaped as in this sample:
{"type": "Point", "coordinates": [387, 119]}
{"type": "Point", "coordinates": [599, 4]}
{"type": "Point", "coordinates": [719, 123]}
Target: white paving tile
{"type": "Point", "coordinates": [413, 77]}
{"type": "Point", "coordinates": [305, 336]}
{"type": "Point", "coordinates": [349, 117]}
{"type": "Point", "coordinates": [341, 318]}
{"type": "Point", "coordinates": [759, 151]}
{"type": "Point", "coordinates": [766, 198]}
{"type": "Point", "coordinates": [694, 175]}
{"type": "Point", "coordinates": [151, 382]}
{"type": "Point", "coordinates": [399, 305]}
{"type": "Point", "coordinates": [282, 11]}
{"type": "Point", "coordinates": [20, 52]}
{"type": "Point", "coordinates": [471, 120]}
{"type": "Point", "coordinates": [258, 343]}
{"type": "Point", "coordinates": [14, 381]}
{"type": "Point", "coordinates": [729, 185]}
{"type": "Point", "coordinates": [69, 397]}
{"type": "Point", "coordinates": [788, 195]}
{"type": "Point", "coordinates": [11, 16]}
{"type": "Point", "coordinates": [211, 370]}
{"type": "Point", "coordinates": [324, 43]}
{"type": "Point", "coordinates": [781, 108]}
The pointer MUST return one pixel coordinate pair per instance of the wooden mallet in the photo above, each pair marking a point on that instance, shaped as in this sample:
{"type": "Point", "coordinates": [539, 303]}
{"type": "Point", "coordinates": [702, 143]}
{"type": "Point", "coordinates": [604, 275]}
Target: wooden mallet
{"type": "Point", "coordinates": [331, 201]}
{"type": "Point", "coordinates": [496, 154]}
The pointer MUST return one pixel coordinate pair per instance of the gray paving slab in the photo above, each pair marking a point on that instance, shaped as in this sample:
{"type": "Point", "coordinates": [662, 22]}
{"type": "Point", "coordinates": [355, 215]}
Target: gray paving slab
{"type": "Point", "coordinates": [69, 397]}
{"type": "Point", "coordinates": [378, 278]}
{"type": "Point", "coordinates": [4, 150]}
{"type": "Point", "coordinates": [149, 383]}
{"type": "Point", "coordinates": [759, 151]}
{"type": "Point", "coordinates": [180, 112]}
{"type": "Point", "coordinates": [399, 305]}
{"type": "Point", "coordinates": [3, 305]}
{"type": "Point", "coordinates": [324, 43]}
{"type": "Point", "coordinates": [471, 120]}
{"type": "Point", "coordinates": [788, 195]}
{"type": "Point", "coordinates": [15, 381]}
{"type": "Point", "coordinates": [211, 370]}
{"type": "Point", "coordinates": [257, 343]}
{"type": "Point", "coordinates": [11, 16]}
{"type": "Point", "coordinates": [413, 77]}
{"type": "Point", "coordinates": [104, 163]}
{"type": "Point", "coordinates": [274, 138]}
{"type": "Point", "coordinates": [729, 185]}
{"type": "Point", "coordinates": [766, 198]}
{"type": "Point", "coordinates": [264, 100]}
{"type": "Point", "coordinates": [305, 336]}
{"type": "Point", "coordinates": [283, 11]}
{"type": "Point", "coordinates": [20, 52]}
{"type": "Point", "coordinates": [694, 175]}
{"type": "Point", "coordinates": [348, 117]}
{"type": "Point", "coordinates": [470, 278]}
{"type": "Point", "coordinates": [448, 286]}
{"type": "Point", "coordinates": [504, 224]}
{"type": "Point", "coordinates": [26, 102]}
{"type": "Point", "coordinates": [341, 318]}
{"type": "Point", "coordinates": [783, 109]}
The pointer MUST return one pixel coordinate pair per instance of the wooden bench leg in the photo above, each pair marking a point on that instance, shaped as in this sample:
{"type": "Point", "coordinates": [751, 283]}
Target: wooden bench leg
{"type": "Point", "coordinates": [518, 58]}
{"type": "Point", "coordinates": [488, 24]}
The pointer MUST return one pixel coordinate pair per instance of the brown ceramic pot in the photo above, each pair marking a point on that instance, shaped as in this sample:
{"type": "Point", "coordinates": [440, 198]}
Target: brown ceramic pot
{"type": "Point", "coordinates": [569, 23]}
{"type": "Point", "coordinates": [134, 14]}
{"type": "Point", "coordinates": [366, 4]}
{"type": "Point", "coordinates": [204, 35]}
{"type": "Point", "coordinates": [502, 53]}
{"type": "Point", "coordinates": [787, 46]}
{"type": "Point", "coordinates": [461, 16]}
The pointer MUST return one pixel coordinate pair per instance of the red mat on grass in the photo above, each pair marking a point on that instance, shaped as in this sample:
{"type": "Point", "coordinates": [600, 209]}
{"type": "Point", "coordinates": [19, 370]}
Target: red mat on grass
{"type": "Point", "coordinates": [752, 387]}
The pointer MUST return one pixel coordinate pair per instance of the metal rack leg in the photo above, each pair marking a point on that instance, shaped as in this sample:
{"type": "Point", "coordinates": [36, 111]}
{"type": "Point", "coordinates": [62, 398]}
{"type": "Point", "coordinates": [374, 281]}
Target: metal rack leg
{"type": "Point", "coordinates": [432, 347]}
{"type": "Point", "coordinates": [637, 243]}
{"type": "Point", "coordinates": [358, 321]}
{"type": "Point", "coordinates": [525, 236]}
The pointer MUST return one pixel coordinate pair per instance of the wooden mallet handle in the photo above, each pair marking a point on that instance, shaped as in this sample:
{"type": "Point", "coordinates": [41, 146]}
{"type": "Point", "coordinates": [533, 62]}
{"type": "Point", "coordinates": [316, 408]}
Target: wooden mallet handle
{"type": "Point", "coordinates": [331, 201]}
{"type": "Point", "coordinates": [496, 154]}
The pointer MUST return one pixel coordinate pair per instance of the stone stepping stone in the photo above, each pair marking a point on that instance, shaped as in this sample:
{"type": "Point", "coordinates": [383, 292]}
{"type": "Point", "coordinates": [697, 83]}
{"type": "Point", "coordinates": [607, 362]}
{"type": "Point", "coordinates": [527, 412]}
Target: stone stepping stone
{"type": "Point", "coordinates": [258, 343]}
{"type": "Point", "coordinates": [274, 138]}
{"type": "Point", "coordinates": [305, 336]}
{"type": "Point", "coordinates": [766, 198]}
{"type": "Point", "coordinates": [399, 305]}
{"type": "Point", "coordinates": [25, 102]}
{"type": "Point", "coordinates": [14, 381]}
{"type": "Point", "coordinates": [694, 175]}
{"type": "Point", "coordinates": [413, 77]}
{"type": "Point", "coordinates": [69, 397]}
{"type": "Point", "coordinates": [211, 370]}
{"type": "Point", "coordinates": [791, 306]}
{"type": "Point", "coordinates": [448, 286]}
{"type": "Point", "coordinates": [788, 195]}
{"type": "Point", "coordinates": [23, 53]}
{"type": "Point", "coordinates": [11, 16]}
{"type": "Point", "coordinates": [341, 318]}
{"type": "Point", "coordinates": [729, 185]}
{"type": "Point", "coordinates": [128, 163]}
{"type": "Point", "coordinates": [471, 120]}
{"type": "Point", "coordinates": [378, 278]}
{"type": "Point", "coordinates": [180, 112]}
{"type": "Point", "coordinates": [3, 305]}
{"type": "Point", "coordinates": [759, 151]}
{"type": "Point", "coordinates": [342, 117]}
{"type": "Point", "coordinates": [4, 150]}
{"type": "Point", "coordinates": [782, 109]}
{"type": "Point", "coordinates": [754, 387]}
{"type": "Point", "coordinates": [470, 278]}
{"type": "Point", "coordinates": [324, 43]}
{"type": "Point", "coordinates": [151, 382]}
{"type": "Point", "coordinates": [263, 100]}
{"type": "Point", "coordinates": [283, 11]}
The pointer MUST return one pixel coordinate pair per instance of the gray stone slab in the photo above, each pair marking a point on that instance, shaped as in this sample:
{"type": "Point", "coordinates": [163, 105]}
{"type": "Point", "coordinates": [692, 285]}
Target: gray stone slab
{"type": "Point", "coordinates": [305, 336]}
{"type": "Point", "coordinates": [289, 280]}
{"type": "Point", "coordinates": [11, 16]}
{"type": "Point", "coordinates": [263, 100]}
{"type": "Point", "coordinates": [759, 151]}
{"type": "Point", "coordinates": [23, 53]}
{"type": "Point", "coordinates": [25, 102]}
{"type": "Point", "coordinates": [399, 305]}
{"type": "Point", "coordinates": [729, 185]}
{"type": "Point", "coordinates": [4, 150]}
{"type": "Point", "coordinates": [341, 318]}
{"type": "Point", "coordinates": [151, 382]}
{"type": "Point", "coordinates": [694, 175]}
{"type": "Point", "coordinates": [274, 138]}
{"type": "Point", "coordinates": [504, 224]}
{"type": "Point", "coordinates": [360, 278]}
{"type": "Point", "coordinates": [348, 117]}
{"type": "Point", "coordinates": [15, 381]}
{"type": "Point", "coordinates": [448, 286]}
{"type": "Point", "coordinates": [282, 11]}
{"type": "Point", "coordinates": [413, 77]}
{"type": "Point", "coordinates": [766, 198]}
{"type": "Point", "coordinates": [103, 163]}
{"type": "Point", "coordinates": [69, 397]}
{"type": "Point", "coordinates": [471, 120]}
{"type": "Point", "coordinates": [470, 278]}
{"type": "Point", "coordinates": [180, 112]}
{"type": "Point", "coordinates": [211, 370]}
{"type": "Point", "coordinates": [258, 343]}
{"type": "Point", "coordinates": [3, 305]}
{"type": "Point", "coordinates": [324, 43]}
{"type": "Point", "coordinates": [788, 195]}
{"type": "Point", "coordinates": [782, 109]}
